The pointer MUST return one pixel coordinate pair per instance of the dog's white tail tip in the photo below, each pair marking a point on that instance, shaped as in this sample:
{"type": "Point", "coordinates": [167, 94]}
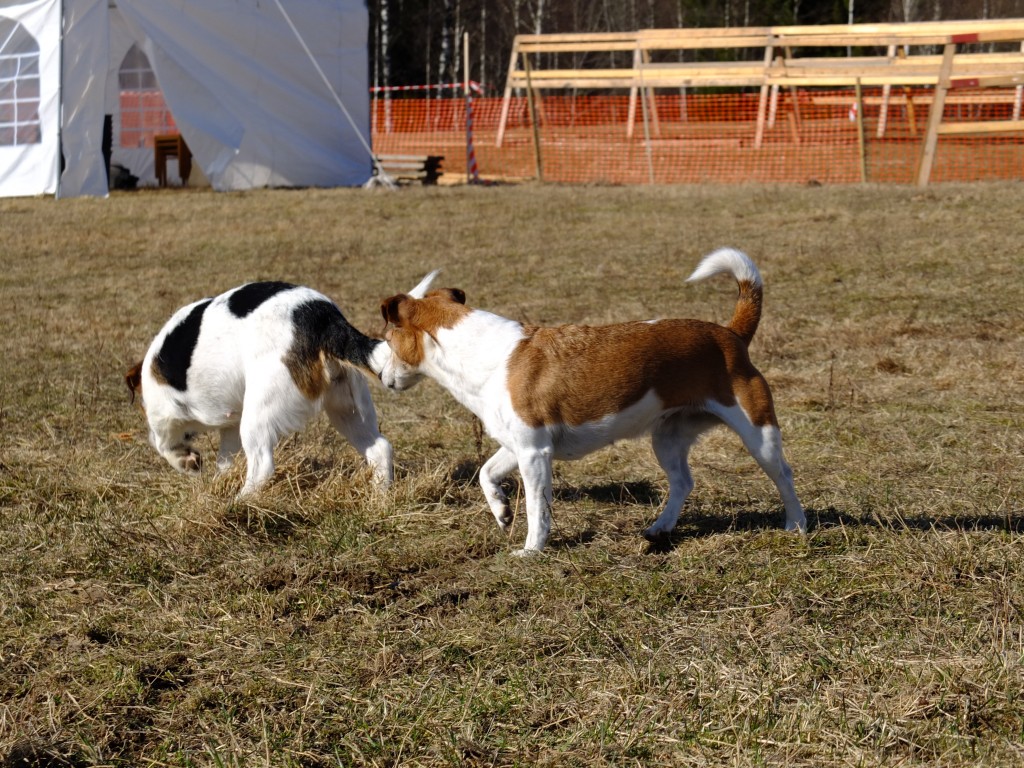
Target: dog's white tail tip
{"type": "Point", "coordinates": [727, 261]}
{"type": "Point", "coordinates": [424, 285]}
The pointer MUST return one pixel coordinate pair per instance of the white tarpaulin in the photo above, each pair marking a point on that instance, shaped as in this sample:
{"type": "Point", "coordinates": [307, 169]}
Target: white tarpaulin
{"type": "Point", "coordinates": [29, 85]}
{"type": "Point", "coordinates": [261, 98]}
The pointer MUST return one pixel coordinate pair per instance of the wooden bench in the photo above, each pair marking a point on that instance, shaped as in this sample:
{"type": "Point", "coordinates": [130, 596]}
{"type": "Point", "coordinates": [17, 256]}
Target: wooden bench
{"type": "Point", "coordinates": [171, 145]}
{"type": "Point", "coordinates": [409, 168]}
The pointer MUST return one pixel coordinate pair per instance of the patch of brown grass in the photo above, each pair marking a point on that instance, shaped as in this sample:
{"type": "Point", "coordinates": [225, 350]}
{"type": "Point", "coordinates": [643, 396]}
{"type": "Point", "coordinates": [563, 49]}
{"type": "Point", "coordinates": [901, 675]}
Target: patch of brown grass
{"type": "Point", "coordinates": [146, 619]}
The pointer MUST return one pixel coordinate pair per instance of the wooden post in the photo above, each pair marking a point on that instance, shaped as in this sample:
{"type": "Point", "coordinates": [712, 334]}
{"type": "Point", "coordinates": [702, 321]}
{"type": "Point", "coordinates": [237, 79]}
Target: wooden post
{"type": "Point", "coordinates": [794, 128]}
{"type": "Point", "coordinates": [647, 131]}
{"type": "Point", "coordinates": [793, 92]}
{"type": "Point", "coordinates": [861, 145]}
{"type": "Point", "coordinates": [883, 114]}
{"type": "Point", "coordinates": [649, 93]}
{"type": "Point", "coordinates": [631, 112]}
{"type": "Point", "coordinates": [911, 111]}
{"type": "Point", "coordinates": [762, 102]}
{"type": "Point", "coordinates": [533, 118]}
{"type": "Point", "coordinates": [508, 92]}
{"type": "Point", "coordinates": [931, 136]}
{"type": "Point", "coordinates": [1018, 96]}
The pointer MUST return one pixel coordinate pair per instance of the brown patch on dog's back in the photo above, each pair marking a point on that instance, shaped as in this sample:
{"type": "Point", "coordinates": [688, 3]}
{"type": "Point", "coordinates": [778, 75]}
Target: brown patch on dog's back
{"type": "Point", "coordinates": [307, 372]}
{"type": "Point", "coordinates": [578, 374]}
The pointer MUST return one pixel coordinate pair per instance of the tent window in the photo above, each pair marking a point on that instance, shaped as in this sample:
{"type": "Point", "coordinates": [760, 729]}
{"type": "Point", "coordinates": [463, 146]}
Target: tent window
{"type": "Point", "coordinates": [144, 112]}
{"type": "Point", "coordinates": [19, 86]}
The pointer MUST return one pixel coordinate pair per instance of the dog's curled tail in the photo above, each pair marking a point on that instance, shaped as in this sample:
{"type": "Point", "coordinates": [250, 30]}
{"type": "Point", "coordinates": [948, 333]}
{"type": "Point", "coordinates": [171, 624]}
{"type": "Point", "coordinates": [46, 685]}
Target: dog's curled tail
{"type": "Point", "coordinates": [747, 313]}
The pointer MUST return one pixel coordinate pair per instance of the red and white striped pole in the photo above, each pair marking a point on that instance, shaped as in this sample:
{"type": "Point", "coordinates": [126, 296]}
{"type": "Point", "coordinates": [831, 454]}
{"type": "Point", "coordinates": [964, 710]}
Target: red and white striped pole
{"type": "Point", "coordinates": [472, 171]}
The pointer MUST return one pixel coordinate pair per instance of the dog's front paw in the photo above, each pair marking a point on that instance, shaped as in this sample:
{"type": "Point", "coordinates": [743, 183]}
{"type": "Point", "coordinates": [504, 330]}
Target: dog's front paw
{"type": "Point", "coordinates": [504, 517]}
{"type": "Point", "coordinates": [655, 535]}
{"type": "Point", "coordinates": [525, 552]}
{"type": "Point", "coordinates": [191, 463]}
{"type": "Point", "coordinates": [797, 526]}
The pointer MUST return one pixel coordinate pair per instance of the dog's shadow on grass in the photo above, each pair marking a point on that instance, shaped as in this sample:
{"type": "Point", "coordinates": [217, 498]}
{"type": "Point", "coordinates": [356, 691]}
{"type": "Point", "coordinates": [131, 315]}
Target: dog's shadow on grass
{"type": "Point", "coordinates": [696, 525]}
{"type": "Point", "coordinates": [734, 516]}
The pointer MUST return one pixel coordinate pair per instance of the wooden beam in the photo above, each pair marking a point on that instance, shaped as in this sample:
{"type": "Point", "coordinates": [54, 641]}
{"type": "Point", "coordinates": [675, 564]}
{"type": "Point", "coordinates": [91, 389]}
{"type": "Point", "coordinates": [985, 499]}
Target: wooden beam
{"type": "Point", "coordinates": [994, 126]}
{"type": "Point", "coordinates": [791, 71]}
{"type": "Point", "coordinates": [931, 135]}
{"type": "Point", "coordinates": [507, 98]}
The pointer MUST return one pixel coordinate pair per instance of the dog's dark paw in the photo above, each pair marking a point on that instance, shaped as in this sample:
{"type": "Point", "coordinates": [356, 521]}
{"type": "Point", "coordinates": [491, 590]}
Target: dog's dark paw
{"type": "Point", "coordinates": [191, 463]}
{"type": "Point", "coordinates": [660, 541]}
{"type": "Point", "coordinates": [505, 519]}
{"type": "Point", "coordinates": [653, 536]}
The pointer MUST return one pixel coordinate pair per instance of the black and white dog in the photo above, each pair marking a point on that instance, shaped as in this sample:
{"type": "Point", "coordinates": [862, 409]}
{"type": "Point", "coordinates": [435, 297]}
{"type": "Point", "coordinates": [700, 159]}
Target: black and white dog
{"type": "Point", "coordinates": [257, 363]}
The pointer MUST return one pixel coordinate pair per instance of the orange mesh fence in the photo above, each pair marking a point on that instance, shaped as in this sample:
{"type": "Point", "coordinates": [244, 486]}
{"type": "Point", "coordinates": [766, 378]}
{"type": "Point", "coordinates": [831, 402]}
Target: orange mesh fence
{"type": "Point", "coordinates": [811, 136]}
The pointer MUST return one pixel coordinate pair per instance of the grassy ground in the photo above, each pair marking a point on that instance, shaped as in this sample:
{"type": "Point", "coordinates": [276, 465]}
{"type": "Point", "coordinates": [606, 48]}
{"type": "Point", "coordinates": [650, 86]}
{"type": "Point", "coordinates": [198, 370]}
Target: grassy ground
{"type": "Point", "coordinates": [145, 619]}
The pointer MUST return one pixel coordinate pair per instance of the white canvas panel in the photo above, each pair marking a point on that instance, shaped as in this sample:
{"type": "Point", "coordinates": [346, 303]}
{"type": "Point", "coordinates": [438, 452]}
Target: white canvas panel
{"type": "Point", "coordinates": [85, 63]}
{"type": "Point", "coordinates": [246, 96]}
{"type": "Point", "coordinates": [29, 93]}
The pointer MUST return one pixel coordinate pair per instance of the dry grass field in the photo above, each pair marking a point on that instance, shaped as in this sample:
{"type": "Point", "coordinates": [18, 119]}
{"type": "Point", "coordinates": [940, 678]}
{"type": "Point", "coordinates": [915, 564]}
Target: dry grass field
{"type": "Point", "coordinates": [147, 620]}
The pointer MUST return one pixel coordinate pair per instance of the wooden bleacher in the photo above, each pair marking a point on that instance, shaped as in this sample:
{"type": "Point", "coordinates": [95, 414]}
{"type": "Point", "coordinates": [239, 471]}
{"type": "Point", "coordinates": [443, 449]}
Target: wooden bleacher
{"type": "Point", "coordinates": [771, 60]}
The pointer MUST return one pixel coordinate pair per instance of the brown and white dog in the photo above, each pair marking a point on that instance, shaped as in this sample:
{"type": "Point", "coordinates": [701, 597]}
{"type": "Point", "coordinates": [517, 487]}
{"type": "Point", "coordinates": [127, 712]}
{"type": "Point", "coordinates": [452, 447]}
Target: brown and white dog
{"type": "Point", "coordinates": [257, 363]}
{"type": "Point", "coordinates": [563, 392]}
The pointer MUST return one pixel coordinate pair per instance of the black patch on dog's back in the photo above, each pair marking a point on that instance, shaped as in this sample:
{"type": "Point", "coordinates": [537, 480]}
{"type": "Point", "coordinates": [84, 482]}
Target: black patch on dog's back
{"type": "Point", "coordinates": [175, 356]}
{"type": "Point", "coordinates": [319, 325]}
{"type": "Point", "coordinates": [247, 298]}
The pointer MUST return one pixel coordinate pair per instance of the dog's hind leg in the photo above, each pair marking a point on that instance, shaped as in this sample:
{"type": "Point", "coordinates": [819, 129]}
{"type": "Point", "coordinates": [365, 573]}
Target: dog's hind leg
{"type": "Point", "coordinates": [230, 445]}
{"type": "Point", "coordinates": [671, 441]}
{"type": "Point", "coordinates": [774, 464]}
{"type": "Point", "coordinates": [267, 416]}
{"type": "Point", "coordinates": [258, 441]}
{"type": "Point", "coordinates": [765, 444]}
{"type": "Point", "coordinates": [535, 467]}
{"type": "Point", "coordinates": [350, 409]}
{"type": "Point", "coordinates": [494, 470]}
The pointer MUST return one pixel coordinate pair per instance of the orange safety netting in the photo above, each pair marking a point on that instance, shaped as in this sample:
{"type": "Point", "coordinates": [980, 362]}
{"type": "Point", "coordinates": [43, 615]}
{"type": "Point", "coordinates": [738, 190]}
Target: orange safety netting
{"type": "Point", "coordinates": [812, 136]}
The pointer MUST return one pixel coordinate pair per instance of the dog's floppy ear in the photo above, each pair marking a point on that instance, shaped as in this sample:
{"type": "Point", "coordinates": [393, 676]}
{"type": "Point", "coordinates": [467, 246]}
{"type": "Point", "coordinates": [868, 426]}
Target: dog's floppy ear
{"type": "Point", "coordinates": [455, 294]}
{"type": "Point", "coordinates": [133, 379]}
{"type": "Point", "coordinates": [389, 308]}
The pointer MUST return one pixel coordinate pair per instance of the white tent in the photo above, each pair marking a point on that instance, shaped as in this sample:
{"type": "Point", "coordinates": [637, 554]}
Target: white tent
{"type": "Point", "coordinates": [264, 92]}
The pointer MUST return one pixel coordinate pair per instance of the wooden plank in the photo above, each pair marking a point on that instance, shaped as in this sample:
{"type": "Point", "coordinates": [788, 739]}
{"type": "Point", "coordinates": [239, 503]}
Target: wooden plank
{"type": "Point", "coordinates": [861, 143]}
{"type": "Point", "coordinates": [400, 158]}
{"type": "Point", "coordinates": [530, 98]}
{"type": "Point", "coordinates": [507, 98]}
{"type": "Point", "coordinates": [568, 37]}
{"type": "Point", "coordinates": [926, 98]}
{"type": "Point", "coordinates": [931, 135]}
{"type": "Point", "coordinates": [902, 28]}
{"type": "Point", "coordinates": [988, 81]}
{"type": "Point", "coordinates": [995, 126]}
{"type": "Point", "coordinates": [762, 99]}
{"type": "Point", "coordinates": [578, 47]}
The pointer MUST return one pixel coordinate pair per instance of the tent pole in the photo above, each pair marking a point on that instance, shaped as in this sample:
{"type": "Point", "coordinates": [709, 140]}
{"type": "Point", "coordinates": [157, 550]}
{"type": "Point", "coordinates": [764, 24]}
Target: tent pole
{"type": "Point", "coordinates": [60, 100]}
